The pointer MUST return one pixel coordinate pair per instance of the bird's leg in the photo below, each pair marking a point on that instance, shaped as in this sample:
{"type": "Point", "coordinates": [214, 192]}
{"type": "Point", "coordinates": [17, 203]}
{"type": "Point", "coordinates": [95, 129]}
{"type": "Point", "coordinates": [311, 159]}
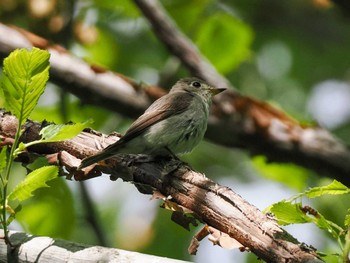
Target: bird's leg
{"type": "Point", "coordinates": [170, 153]}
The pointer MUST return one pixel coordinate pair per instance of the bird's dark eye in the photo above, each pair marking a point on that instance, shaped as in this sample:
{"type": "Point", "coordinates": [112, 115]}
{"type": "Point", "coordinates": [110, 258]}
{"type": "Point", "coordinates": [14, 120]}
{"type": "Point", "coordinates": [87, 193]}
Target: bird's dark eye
{"type": "Point", "coordinates": [196, 84]}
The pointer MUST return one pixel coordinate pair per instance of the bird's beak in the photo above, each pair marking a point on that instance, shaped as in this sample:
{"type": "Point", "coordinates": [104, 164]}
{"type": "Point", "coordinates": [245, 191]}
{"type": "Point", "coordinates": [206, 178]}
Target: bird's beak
{"type": "Point", "coordinates": [215, 91]}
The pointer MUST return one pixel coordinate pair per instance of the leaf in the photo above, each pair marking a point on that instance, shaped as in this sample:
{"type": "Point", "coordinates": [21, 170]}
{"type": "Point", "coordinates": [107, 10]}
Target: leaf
{"type": "Point", "coordinates": [3, 158]}
{"type": "Point", "coordinates": [61, 132]}
{"type": "Point", "coordinates": [25, 75]}
{"type": "Point", "coordinates": [225, 41]}
{"type": "Point", "coordinates": [288, 213]}
{"type": "Point", "coordinates": [34, 180]}
{"type": "Point", "coordinates": [50, 211]}
{"type": "Point", "coordinates": [334, 188]}
{"type": "Point", "coordinates": [39, 162]}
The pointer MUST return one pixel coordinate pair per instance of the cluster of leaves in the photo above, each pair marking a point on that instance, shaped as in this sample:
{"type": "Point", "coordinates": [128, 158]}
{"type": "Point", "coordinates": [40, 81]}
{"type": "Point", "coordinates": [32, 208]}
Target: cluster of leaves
{"type": "Point", "coordinates": [25, 76]}
{"type": "Point", "coordinates": [292, 211]}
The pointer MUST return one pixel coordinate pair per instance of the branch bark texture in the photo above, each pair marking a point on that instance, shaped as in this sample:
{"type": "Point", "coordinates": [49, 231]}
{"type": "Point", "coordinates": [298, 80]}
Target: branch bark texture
{"type": "Point", "coordinates": [32, 249]}
{"type": "Point", "coordinates": [216, 205]}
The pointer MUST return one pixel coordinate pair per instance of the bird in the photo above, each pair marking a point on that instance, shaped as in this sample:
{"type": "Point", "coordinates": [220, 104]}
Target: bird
{"type": "Point", "coordinates": [173, 124]}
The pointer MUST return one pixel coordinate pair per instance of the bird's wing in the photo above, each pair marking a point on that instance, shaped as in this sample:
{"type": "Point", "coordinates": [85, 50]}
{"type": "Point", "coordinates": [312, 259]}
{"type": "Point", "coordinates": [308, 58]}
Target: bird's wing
{"type": "Point", "coordinates": [159, 110]}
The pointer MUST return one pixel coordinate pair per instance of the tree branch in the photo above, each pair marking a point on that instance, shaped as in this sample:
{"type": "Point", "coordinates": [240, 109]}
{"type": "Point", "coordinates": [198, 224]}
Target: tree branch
{"type": "Point", "coordinates": [31, 249]}
{"type": "Point", "coordinates": [181, 46]}
{"type": "Point", "coordinates": [235, 120]}
{"type": "Point", "coordinates": [216, 205]}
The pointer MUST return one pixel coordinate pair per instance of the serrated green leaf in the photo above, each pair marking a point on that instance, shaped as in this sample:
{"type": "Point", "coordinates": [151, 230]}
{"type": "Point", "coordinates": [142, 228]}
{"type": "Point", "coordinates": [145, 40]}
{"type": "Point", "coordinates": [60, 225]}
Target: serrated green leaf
{"type": "Point", "coordinates": [61, 132]}
{"type": "Point", "coordinates": [34, 180]}
{"type": "Point", "coordinates": [293, 213]}
{"type": "Point", "coordinates": [25, 75]}
{"type": "Point", "coordinates": [325, 224]}
{"type": "Point", "coordinates": [334, 188]}
{"type": "Point", "coordinates": [3, 158]}
{"type": "Point", "coordinates": [225, 41]}
{"type": "Point", "coordinates": [288, 213]}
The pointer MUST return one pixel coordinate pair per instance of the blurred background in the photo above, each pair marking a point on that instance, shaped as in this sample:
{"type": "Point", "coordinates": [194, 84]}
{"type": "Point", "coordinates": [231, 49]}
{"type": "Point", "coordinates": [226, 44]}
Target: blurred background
{"type": "Point", "coordinates": [292, 54]}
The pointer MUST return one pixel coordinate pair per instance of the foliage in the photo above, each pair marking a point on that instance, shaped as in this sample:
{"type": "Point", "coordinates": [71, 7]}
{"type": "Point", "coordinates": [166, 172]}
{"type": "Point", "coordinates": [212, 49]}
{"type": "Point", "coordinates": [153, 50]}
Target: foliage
{"type": "Point", "coordinates": [292, 211]}
{"type": "Point", "coordinates": [25, 75]}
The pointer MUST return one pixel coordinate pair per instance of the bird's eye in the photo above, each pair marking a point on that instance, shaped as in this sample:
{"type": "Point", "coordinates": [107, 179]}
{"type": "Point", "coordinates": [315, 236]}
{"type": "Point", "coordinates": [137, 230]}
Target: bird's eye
{"type": "Point", "coordinates": [196, 84]}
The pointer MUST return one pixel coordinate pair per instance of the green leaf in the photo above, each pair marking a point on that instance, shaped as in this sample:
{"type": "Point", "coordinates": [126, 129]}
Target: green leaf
{"type": "Point", "coordinates": [25, 75]}
{"type": "Point", "coordinates": [38, 163]}
{"type": "Point", "coordinates": [50, 211]}
{"type": "Point", "coordinates": [3, 158]}
{"type": "Point", "coordinates": [334, 188]}
{"type": "Point", "coordinates": [225, 41]}
{"type": "Point", "coordinates": [294, 213]}
{"type": "Point", "coordinates": [61, 132]}
{"type": "Point", "coordinates": [288, 213]}
{"type": "Point", "coordinates": [34, 180]}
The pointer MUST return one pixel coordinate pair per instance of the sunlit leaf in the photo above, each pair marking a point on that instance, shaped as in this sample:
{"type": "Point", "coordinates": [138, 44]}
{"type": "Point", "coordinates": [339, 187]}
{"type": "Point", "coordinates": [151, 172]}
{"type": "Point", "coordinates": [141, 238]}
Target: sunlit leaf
{"type": "Point", "coordinates": [288, 213]}
{"type": "Point", "coordinates": [225, 41]}
{"type": "Point", "coordinates": [294, 213]}
{"type": "Point", "coordinates": [25, 75]}
{"type": "Point", "coordinates": [334, 188]}
{"type": "Point", "coordinates": [34, 180]}
{"type": "Point", "coordinates": [61, 132]}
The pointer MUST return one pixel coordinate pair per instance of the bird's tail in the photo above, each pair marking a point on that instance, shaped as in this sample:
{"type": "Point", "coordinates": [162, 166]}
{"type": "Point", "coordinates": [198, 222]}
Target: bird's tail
{"type": "Point", "coordinates": [94, 159]}
{"type": "Point", "coordinates": [103, 155]}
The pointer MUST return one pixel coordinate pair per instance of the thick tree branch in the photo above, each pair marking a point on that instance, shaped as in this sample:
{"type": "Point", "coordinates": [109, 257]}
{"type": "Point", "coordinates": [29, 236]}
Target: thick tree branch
{"type": "Point", "coordinates": [32, 249]}
{"type": "Point", "coordinates": [235, 121]}
{"type": "Point", "coordinates": [216, 205]}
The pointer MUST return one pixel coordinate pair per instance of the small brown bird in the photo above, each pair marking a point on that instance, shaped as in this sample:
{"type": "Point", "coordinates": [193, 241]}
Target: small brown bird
{"type": "Point", "coordinates": [173, 124]}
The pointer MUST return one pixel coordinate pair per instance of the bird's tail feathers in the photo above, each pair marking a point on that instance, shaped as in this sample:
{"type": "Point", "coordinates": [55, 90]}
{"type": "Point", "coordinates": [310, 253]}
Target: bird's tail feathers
{"type": "Point", "coordinates": [103, 155]}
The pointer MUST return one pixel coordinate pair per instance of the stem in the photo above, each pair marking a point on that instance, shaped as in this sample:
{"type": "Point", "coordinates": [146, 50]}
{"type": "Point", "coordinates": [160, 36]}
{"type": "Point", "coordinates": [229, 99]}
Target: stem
{"type": "Point", "coordinates": [346, 249]}
{"type": "Point", "coordinates": [5, 182]}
